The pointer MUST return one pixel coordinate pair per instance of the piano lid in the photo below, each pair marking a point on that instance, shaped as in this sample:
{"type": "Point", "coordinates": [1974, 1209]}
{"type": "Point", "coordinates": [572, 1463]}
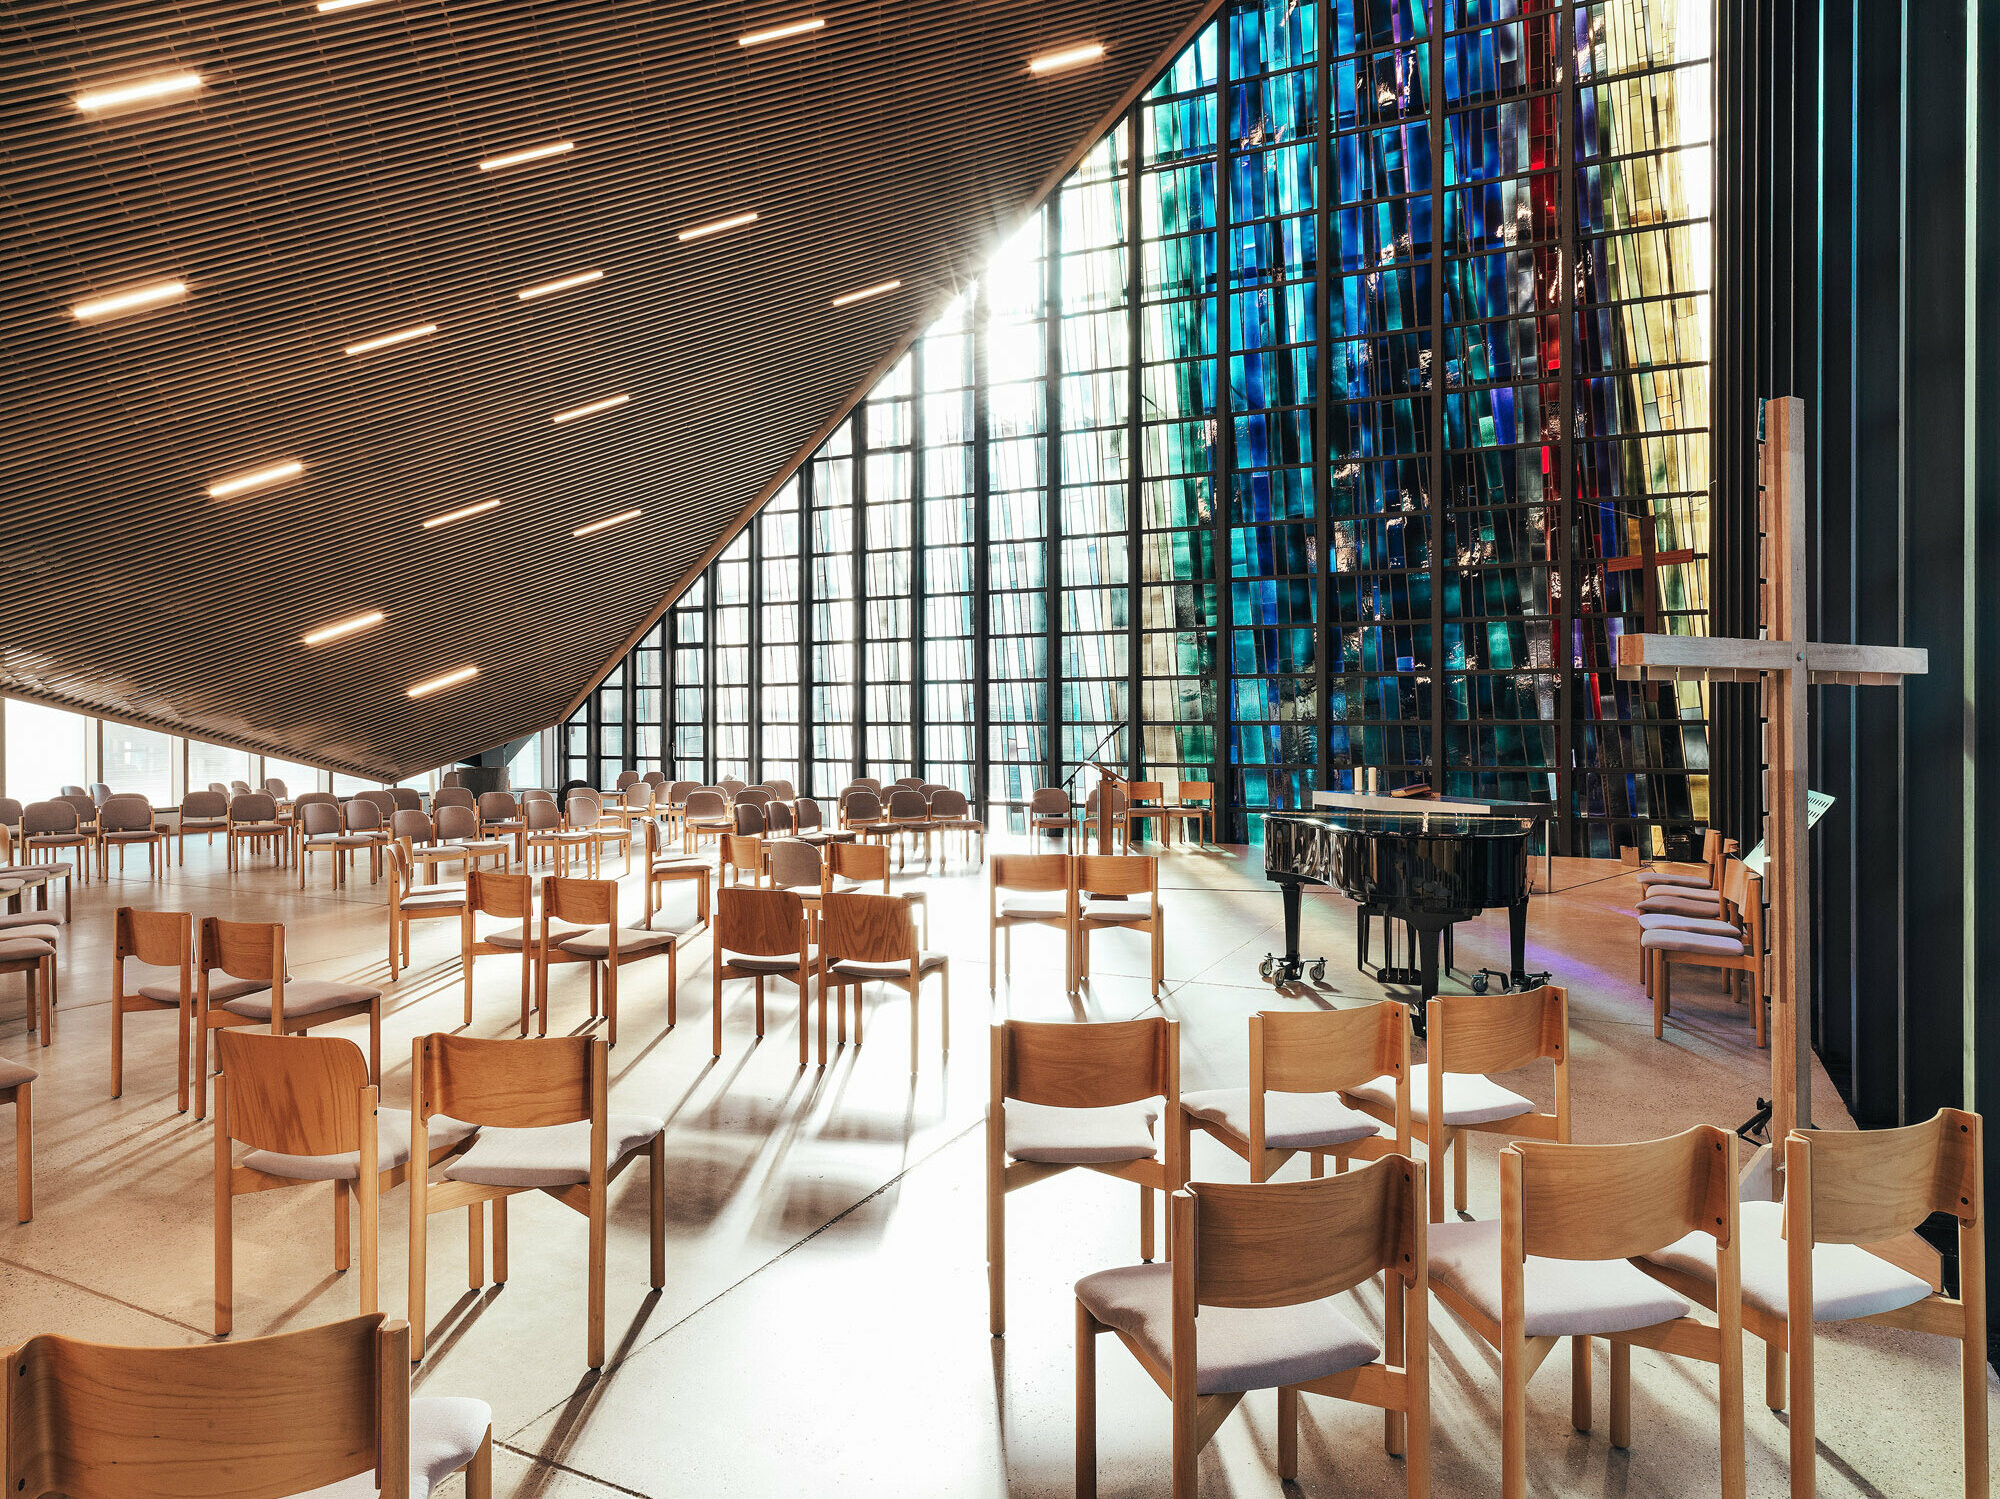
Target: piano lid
{"type": "Point", "coordinates": [1411, 823]}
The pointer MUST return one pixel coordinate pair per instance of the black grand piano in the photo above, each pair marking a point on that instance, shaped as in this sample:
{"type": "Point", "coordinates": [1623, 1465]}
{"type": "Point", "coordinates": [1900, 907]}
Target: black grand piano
{"type": "Point", "coordinates": [1427, 866]}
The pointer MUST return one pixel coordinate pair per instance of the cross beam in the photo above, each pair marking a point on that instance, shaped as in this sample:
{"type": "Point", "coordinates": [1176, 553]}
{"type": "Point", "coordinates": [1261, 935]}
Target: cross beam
{"type": "Point", "coordinates": [1786, 664]}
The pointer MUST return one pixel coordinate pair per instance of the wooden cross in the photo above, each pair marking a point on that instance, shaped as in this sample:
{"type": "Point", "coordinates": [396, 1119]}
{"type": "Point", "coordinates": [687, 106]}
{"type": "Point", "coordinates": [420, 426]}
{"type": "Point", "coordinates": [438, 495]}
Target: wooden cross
{"type": "Point", "coordinates": [1786, 663]}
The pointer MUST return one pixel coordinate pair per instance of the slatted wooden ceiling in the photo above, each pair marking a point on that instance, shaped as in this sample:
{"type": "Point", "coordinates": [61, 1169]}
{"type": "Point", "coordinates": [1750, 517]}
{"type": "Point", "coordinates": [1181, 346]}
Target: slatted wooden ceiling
{"type": "Point", "coordinates": [322, 188]}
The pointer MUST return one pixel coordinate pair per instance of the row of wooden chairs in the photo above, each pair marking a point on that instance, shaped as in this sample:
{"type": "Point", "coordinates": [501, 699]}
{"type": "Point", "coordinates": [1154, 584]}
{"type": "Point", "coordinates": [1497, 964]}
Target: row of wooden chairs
{"type": "Point", "coordinates": [1710, 919]}
{"type": "Point", "coordinates": [1131, 805]}
{"type": "Point", "coordinates": [1078, 894]}
{"type": "Point", "coordinates": [31, 939]}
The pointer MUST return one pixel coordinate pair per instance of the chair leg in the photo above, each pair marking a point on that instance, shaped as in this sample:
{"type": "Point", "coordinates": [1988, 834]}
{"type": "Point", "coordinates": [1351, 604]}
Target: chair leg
{"type": "Point", "coordinates": [368, 1194]}
{"type": "Point", "coordinates": [1621, 1394]}
{"type": "Point", "coordinates": [1458, 1170]}
{"type": "Point", "coordinates": [479, 1472]}
{"type": "Point", "coordinates": [1288, 1433]}
{"type": "Point", "coordinates": [1774, 1376]}
{"type": "Point", "coordinates": [341, 1224]}
{"type": "Point", "coordinates": [1579, 1383]}
{"type": "Point", "coordinates": [419, 1255]}
{"type": "Point", "coordinates": [596, 1310]}
{"type": "Point", "coordinates": [1146, 1224]}
{"type": "Point", "coordinates": [656, 1168]}
{"type": "Point", "coordinates": [475, 1245]}
{"type": "Point", "coordinates": [24, 1152]}
{"type": "Point", "coordinates": [1086, 1403]}
{"type": "Point", "coordinates": [1513, 1419]}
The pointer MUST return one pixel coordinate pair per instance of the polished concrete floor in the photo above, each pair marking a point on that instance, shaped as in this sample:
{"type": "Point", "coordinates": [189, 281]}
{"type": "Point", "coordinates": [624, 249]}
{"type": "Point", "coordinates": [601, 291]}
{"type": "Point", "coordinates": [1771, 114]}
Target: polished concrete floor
{"type": "Point", "coordinates": [823, 1325]}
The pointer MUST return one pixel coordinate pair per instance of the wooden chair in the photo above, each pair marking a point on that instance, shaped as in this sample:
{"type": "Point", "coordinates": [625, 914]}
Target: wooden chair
{"type": "Point", "coordinates": [30, 950]}
{"type": "Point", "coordinates": [411, 901]}
{"type": "Point", "coordinates": [1118, 890]}
{"type": "Point", "coordinates": [500, 817]}
{"type": "Point", "coordinates": [586, 813]}
{"type": "Point", "coordinates": [545, 1125]}
{"type": "Point", "coordinates": [1051, 811]}
{"type": "Point", "coordinates": [1740, 952]}
{"type": "Point", "coordinates": [1252, 1275]}
{"type": "Point", "coordinates": [545, 832]}
{"type": "Point", "coordinates": [951, 813]}
{"type": "Point", "coordinates": [17, 1086]}
{"type": "Point", "coordinates": [743, 849]}
{"type": "Point", "coordinates": [17, 879]}
{"type": "Point", "coordinates": [203, 814]}
{"type": "Point", "coordinates": [125, 822]}
{"type": "Point", "coordinates": [47, 828]}
{"type": "Point", "coordinates": [1194, 802]}
{"type": "Point", "coordinates": [808, 826]}
{"type": "Point", "coordinates": [603, 944]}
{"type": "Point", "coordinates": [1470, 1035]}
{"type": "Point", "coordinates": [254, 820]}
{"type": "Point", "coordinates": [1301, 1061]}
{"type": "Point", "coordinates": [853, 867]}
{"type": "Point", "coordinates": [1036, 889]}
{"type": "Point", "coordinates": [306, 1110]}
{"type": "Point", "coordinates": [160, 939]}
{"type": "Point", "coordinates": [866, 939]}
{"type": "Point", "coordinates": [326, 1410]}
{"type": "Point", "coordinates": [1143, 801]}
{"type": "Point", "coordinates": [908, 813]}
{"type": "Point", "coordinates": [321, 830]}
{"type": "Point", "coordinates": [1068, 1094]}
{"type": "Point", "coordinates": [759, 935]}
{"type": "Point", "coordinates": [512, 898]}
{"type": "Point", "coordinates": [663, 869]}
{"type": "Point", "coordinates": [1555, 1265]}
{"type": "Point", "coordinates": [1714, 849]}
{"type": "Point", "coordinates": [1805, 1261]}
{"type": "Point", "coordinates": [254, 951]}
{"type": "Point", "coordinates": [705, 814]}
{"type": "Point", "coordinates": [1118, 802]}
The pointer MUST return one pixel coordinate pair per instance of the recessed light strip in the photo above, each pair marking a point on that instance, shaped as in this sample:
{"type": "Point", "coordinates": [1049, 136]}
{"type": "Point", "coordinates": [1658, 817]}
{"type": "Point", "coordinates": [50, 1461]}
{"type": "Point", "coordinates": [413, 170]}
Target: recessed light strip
{"type": "Point", "coordinates": [879, 289]}
{"type": "Point", "coordinates": [390, 340]}
{"type": "Point", "coordinates": [702, 231]}
{"type": "Point", "coordinates": [561, 283]}
{"type": "Point", "coordinates": [465, 513]}
{"type": "Point", "coordinates": [779, 33]}
{"type": "Point", "coordinates": [155, 294]}
{"type": "Point", "coordinates": [438, 684]}
{"type": "Point", "coordinates": [1070, 57]}
{"type": "Point", "coordinates": [532, 153]}
{"type": "Point", "coordinates": [342, 627]}
{"type": "Point", "coordinates": [261, 478]}
{"type": "Point", "coordinates": [591, 408]}
{"type": "Point", "coordinates": [143, 91]}
{"type": "Point", "coordinates": [608, 522]}
{"type": "Point", "coordinates": [327, 7]}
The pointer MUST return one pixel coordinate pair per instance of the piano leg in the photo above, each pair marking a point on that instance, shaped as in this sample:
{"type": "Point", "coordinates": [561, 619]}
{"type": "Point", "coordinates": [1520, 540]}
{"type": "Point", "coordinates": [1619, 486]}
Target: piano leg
{"type": "Point", "coordinates": [1426, 939]}
{"type": "Point", "coordinates": [1287, 969]}
{"type": "Point", "coordinates": [1517, 942]}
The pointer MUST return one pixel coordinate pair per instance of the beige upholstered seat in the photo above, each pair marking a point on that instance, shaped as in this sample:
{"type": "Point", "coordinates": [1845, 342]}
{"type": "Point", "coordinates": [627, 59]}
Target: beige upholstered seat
{"type": "Point", "coordinates": [771, 963]}
{"type": "Point", "coordinates": [1660, 878]}
{"type": "Point", "coordinates": [1081, 1137]}
{"type": "Point", "coordinates": [509, 937]}
{"type": "Point", "coordinates": [13, 1074]}
{"type": "Point", "coordinates": [1469, 1098]}
{"type": "Point", "coordinates": [1847, 1281]}
{"type": "Point", "coordinates": [302, 997]}
{"type": "Point", "coordinates": [1292, 1121]}
{"type": "Point", "coordinates": [446, 1432]}
{"type": "Point", "coordinates": [1238, 1348]}
{"type": "Point", "coordinates": [1035, 903]}
{"type": "Point", "coordinates": [1565, 1298]}
{"type": "Point", "coordinates": [164, 985]}
{"type": "Point", "coordinates": [392, 1149]}
{"type": "Point", "coordinates": [927, 962]}
{"type": "Point", "coordinates": [554, 1155]}
{"type": "Point", "coordinates": [1679, 900]}
{"type": "Point", "coordinates": [596, 943]}
{"type": "Point", "coordinates": [1715, 926]}
{"type": "Point", "coordinates": [1668, 940]}
{"type": "Point", "coordinates": [1133, 908]}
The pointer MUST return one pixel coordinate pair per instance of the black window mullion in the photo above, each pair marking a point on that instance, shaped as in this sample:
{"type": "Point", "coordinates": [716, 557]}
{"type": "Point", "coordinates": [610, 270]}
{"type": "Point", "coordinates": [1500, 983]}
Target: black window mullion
{"type": "Point", "coordinates": [1052, 750]}
{"type": "Point", "coordinates": [858, 504]}
{"type": "Point", "coordinates": [982, 620]}
{"type": "Point", "coordinates": [1225, 457]}
{"type": "Point", "coordinates": [919, 582]}
{"type": "Point", "coordinates": [806, 690]}
{"type": "Point", "coordinates": [1135, 492]}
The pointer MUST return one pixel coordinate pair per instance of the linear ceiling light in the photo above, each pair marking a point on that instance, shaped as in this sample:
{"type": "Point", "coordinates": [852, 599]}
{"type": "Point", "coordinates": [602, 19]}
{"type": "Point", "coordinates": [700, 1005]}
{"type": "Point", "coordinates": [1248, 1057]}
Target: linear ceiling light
{"type": "Point", "coordinates": [389, 340]}
{"type": "Point", "coordinates": [341, 627]}
{"type": "Point", "coordinates": [261, 478]}
{"type": "Point", "coordinates": [850, 298]}
{"type": "Point", "coordinates": [607, 523]}
{"type": "Point", "coordinates": [532, 153]}
{"type": "Point", "coordinates": [154, 294]}
{"type": "Point", "coordinates": [326, 7]}
{"type": "Point", "coordinates": [561, 283]}
{"type": "Point", "coordinates": [1072, 57]}
{"type": "Point", "coordinates": [154, 90]}
{"type": "Point", "coordinates": [779, 33]}
{"type": "Point", "coordinates": [591, 408]}
{"type": "Point", "coordinates": [465, 513]}
{"type": "Point", "coordinates": [702, 231]}
{"type": "Point", "coordinates": [438, 684]}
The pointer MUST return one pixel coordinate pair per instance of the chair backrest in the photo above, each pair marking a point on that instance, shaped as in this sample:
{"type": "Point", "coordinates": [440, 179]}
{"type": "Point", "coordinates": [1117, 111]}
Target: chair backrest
{"type": "Point", "coordinates": [1187, 792]}
{"type": "Point", "coordinates": [913, 782]}
{"type": "Point", "coordinates": [1030, 872]}
{"type": "Point", "coordinates": [778, 817]}
{"type": "Point", "coordinates": [297, 1095]}
{"type": "Point", "coordinates": [452, 795]}
{"type": "Point", "coordinates": [451, 780]}
{"type": "Point", "coordinates": [805, 812]}
{"type": "Point", "coordinates": [860, 861]}
{"type": "Point", "coordinates": [1865, 1186]}
{"type": "Point", "coordinates": [947, 801]}
{"type": "Point", "coordinates": [1071, 1064]}
{"type": "Point", "coordinates": [1324, 1051]}
{"type": "Point", "coordinates": [654, 778]}
{"type": "Point", "coordinates": [100, 792]}
{"type": "Point", "coordinates": [793, 864]}
{"type": "Point", "coordinates": [859, 804]}
{"type": "Point", "coordinates": [584, 809]}
{"type": "Point", "coordinates": [537, 794]}
{"type": "Point", "coordinates": [1118, 874]}
{"type": "Point", "coordinates": [163, 938]}
{"type": "Point", "coordinates": [759, 923]}
{"type": "Point", "coordinates": [48, 817]}
{"type": "Point", "coordinates": [362, 815]}
{"type": "Point", "coordinates": [493, 893]}
{"type": "Point", "coordinates": [71, 791]}
{"type": "Point", "coordinates": [541, 816]}
{"type": "Point", "coordinates": [85, 804]}
{"type": "Point", "coordinates": [639, 796]}
{"type": "Point", "coordinates": [628, 778]}
{"type": "Point", "coordinates": [1616, 1202]}
{"type": "Point", "coordinates": [1743, 893]}
{"type": "Point", "coordinates": [748, 817]}
{"type": "Point", "coordinates": [782, 790]}
{"type": "Point", "coordinates": [125, 814]}
{"type": "Point", "coordinates": [217, 786]}
{"type": "Point", "coordinates": [407, 798]}
{"type": "Point", "coordinates": [1269, 1244]}
{"type": "Point", "coordinates": [497, 806]}
{"type": "Point", "coordinates": [383, 800]}
{"type": "Point", "coordinates": [1118, 801]}
{"type": "Point", "coordinates": [867, 928]}
{"type": "Point", "coordinates": [252, 1418]}
{"type": "Point", "coordinates": [703, 802]}
{"type": "Point", "coordinates": [241, 788]}
{"type": "Point", "coordinates": [242, 949]}
{"type": "Point", "coordinates": [908, 804]}
{"type": "Point", "coordinates": [1501, 1033]}
{"type": "Point", "coordinates": [677, 793]}
{"type": "Point", "coordinates": [10, 812]}
{"type": "Point", "coordinates": [209, 804]}
{"type": "Point", "coordinates": [866, 782]}
{"type": "Point", "coordinates": [732, 784]}
{"type": "Point", "coordinates": [754, 796]}
{"type": "Point", "coordinates": [455, 823]}
{"type": "Point", "coordinates": [591, 902]}
{"type": "Point", "coordinates": [276, 788]}
{"type": "Point", "coordinates": [1146, 791]}
{"type": "Point", "coordinates": [415, 826]}
{"type": "Point", "coordinates": [508, 1085]}
{"type": "Point", "coordinates": [254, 806]}
{"type": "Point", "coordinates": [316, 819]}
{"type": "Point", "coordinates": [313, 798]}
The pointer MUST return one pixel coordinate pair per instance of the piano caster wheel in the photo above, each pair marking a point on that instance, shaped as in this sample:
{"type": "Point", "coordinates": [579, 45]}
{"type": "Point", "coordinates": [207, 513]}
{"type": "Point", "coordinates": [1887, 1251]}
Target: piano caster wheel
{"type": "Point", "coordinates": [1479, 983]}
{"type": "Point", "coordinates": [1268, 967]}
{"type": "Point", "coordinates": [1319, 971]}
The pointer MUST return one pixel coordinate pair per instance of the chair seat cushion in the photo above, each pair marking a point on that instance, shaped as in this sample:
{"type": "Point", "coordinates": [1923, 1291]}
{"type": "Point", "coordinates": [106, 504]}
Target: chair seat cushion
{"type": "Point", "coordinates": [392, 1149]}
{"type": "Point", "coordinates": [13, 1074]}
{"type": "Point", "coordinates": [927, 962]}
{"type": "Point", "coordinates": [509, 936]}
{"type": "Point", "coordinates": [557, 1155]}
{"type": "Point", "coordinates": [1292, 1121]}
{"type": "Point", "coordinates": [341, 840]}
{"type": "Point", "coordinates": [1654, 878]}
{"type": "Point", "coordinates": [1469, 1097]}
{"type": "Point", "coordinates": [260, 829]}
{"type": "Point", "coordinates": [454, 888]}
{"type": "Point", "coordinates": [1681, 901]}
{"type": "Point", "coordinates": [1714, 926]}
{"type": "Point", "coordinates": [1081, 1137]}
{"type": "Point", "coordinates": [18, 949]}
{"type": "Point", "coordinates": [203, 824]}
{"type": "Point", "coordinates": [446, 1432]}
{"type": "Point", "coordinates": [1701, 942]}
{"type": "Point", "coordinates": [135, 835]}
{"type": "Point", "coordinates": [1848, 1281]}
{"type": "Point", "coordinates": [596, 943]}
{"type": "Point", "coordinates": [825, 835]}
{"type": "Point", "coordinates": [433, 900]}
{"type": "Point", "coordinates": [1564, 1298]}
{"type": "Point", "coordinates": [745, 962]}
{"type": "Point", "coordinates": [304, 997]}
{"type": "Point", "coordinates": [13, 920]}
{"type": "Point", "coordinates": [682, 864]}
{"type": "Point", "coordinates": [1122, 908]}
{"type": "Point", "coordinates": [1033, 904]}
{"type": "Point", "coordinates": [164, 984]}
{"type": "Point", "coordinates": [1236, 1348]}
{"type": "Point", "coordinates": [44, 931]}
